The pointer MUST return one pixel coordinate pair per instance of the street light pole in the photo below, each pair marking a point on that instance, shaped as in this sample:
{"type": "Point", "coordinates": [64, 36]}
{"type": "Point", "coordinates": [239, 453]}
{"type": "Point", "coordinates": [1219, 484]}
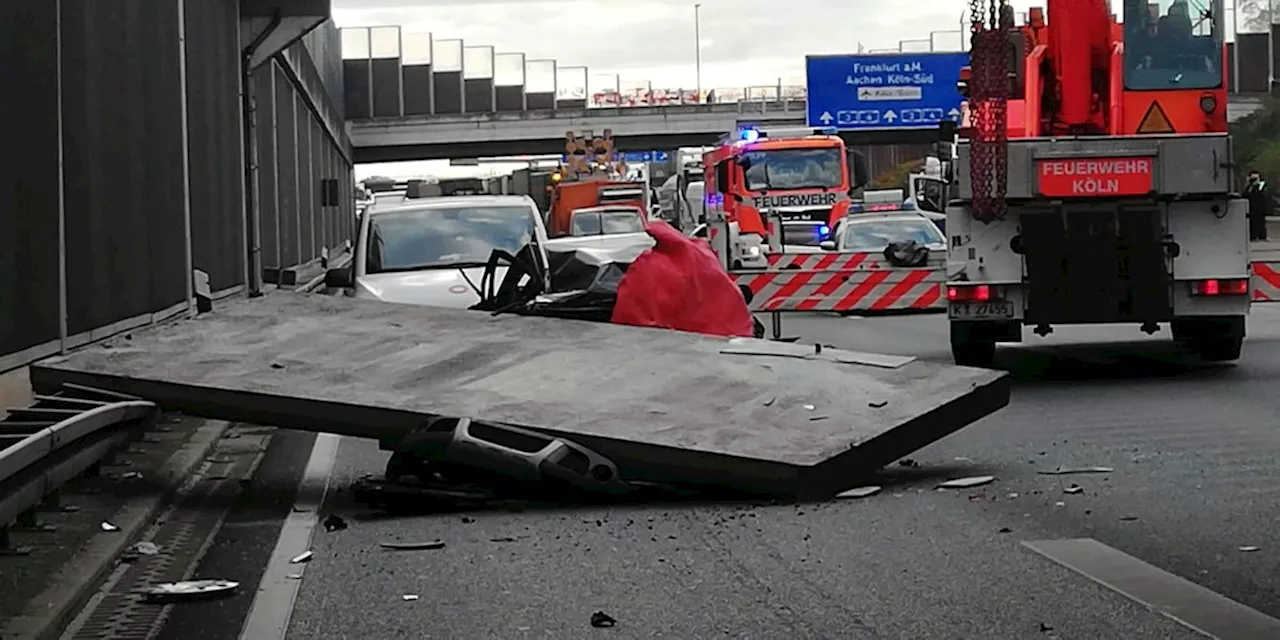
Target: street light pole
{"type": "Point", "coordinates": [697, 49]}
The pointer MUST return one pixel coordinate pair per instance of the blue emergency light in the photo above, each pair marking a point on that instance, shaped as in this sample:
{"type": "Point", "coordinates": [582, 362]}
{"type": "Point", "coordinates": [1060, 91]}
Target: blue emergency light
{"type": "Point", "coordinates": [824, 230]}
{"type": "Point", "coordinates": [749, 135]}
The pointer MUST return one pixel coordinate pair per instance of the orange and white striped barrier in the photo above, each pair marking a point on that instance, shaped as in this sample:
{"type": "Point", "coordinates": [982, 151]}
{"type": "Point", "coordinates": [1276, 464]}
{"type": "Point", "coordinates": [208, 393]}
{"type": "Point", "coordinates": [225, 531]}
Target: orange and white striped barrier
{"type": "Point", "coordinates": [855, 289]}
{"type": "Point", "coordinates": [843, 282]}
{"type": "Point", "coordinates": [1266, 281]}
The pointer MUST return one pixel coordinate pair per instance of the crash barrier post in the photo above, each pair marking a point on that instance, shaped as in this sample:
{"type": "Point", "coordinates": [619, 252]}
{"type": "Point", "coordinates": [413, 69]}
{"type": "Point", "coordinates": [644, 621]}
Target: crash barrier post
{"type": "Point", "coordinates": [55, 440]}
{"type": "Point", "coordinates": [718, 238]}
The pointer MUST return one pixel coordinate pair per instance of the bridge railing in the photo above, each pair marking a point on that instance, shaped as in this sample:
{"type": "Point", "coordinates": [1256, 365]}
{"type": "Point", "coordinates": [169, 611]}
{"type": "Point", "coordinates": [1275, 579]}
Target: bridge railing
{"type": "Point", "coordinates": [390, 73]}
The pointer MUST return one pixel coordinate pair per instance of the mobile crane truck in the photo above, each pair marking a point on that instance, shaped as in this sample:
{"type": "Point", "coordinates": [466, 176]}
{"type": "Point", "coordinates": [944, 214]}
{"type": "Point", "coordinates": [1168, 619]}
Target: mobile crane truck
{"type": "Point", "coordinates": [1094, 182]}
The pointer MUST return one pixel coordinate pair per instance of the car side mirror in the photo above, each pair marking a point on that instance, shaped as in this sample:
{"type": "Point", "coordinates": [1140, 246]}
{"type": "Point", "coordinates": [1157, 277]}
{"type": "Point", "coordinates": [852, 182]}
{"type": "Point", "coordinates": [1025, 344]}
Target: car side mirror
{"type": "Point", "coordinates": [339, 278]}
{"type": "Point", "coordinates": [827, 245]}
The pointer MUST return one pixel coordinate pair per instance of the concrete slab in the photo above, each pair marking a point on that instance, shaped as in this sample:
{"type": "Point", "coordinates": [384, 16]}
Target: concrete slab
{"type": "Point", "coordinates": [663, 405]}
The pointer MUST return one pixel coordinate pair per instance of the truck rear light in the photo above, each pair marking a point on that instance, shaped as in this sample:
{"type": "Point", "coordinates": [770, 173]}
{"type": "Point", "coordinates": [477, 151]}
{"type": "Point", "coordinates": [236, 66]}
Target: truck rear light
{"type": "Point", "coordinates": [970, 293]}
{"type": "Point", "coordinates": [1216, 287]}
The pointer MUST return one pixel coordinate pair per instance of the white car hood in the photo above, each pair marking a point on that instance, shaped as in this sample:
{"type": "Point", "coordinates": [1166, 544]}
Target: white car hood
{"type": "Point", "coordinates": [432, 288]}
{"type": "Point", "coordinates": [607, 241]}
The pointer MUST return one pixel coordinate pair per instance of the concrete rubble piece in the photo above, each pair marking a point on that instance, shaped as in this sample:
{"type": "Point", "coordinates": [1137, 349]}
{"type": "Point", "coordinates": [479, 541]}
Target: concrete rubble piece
{"type": "Point", "coordinates": [662, 406]}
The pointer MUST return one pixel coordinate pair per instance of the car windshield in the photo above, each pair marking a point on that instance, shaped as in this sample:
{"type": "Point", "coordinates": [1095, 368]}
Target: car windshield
{"type": "Point", "coordinates": [436, 238]}
{"type": "Point", "coordinates": [794, 169]}
{"type": "Point", "coordinates": [594, 223]}
{"type": "Point", "coordinates": [875, 235]}
{"type": "Point", "coordinates": [1172, 44]}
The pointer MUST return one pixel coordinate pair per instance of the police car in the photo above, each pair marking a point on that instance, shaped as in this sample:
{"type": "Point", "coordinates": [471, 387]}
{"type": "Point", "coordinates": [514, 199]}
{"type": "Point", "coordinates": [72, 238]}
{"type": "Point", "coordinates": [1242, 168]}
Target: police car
{"type": "Point", "coordinates": [434, 250]}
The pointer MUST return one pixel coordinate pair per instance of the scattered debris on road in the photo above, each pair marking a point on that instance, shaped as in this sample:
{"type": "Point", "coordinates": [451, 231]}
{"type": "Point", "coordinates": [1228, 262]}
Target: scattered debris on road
{"type": "Point", "coordinates": [1073, 488]}
{"type": "Point", "coordinates": [413, 546]}
{"type": "Point", "coordinates": [1067, 471]}
{"type": "Point", "coordinates": [877, 405]}
{"type": "Point", "coordinates": [189, 590]}
{"type": "Point", "coordinates": [145, 548]}
{"type": "Point", "coordinates": [965, 483]}
{"type": "Point", "coordinates": [334, 523]}
{"type": "Point", "coordinates": [503, 539]}
{"type": "Point", "coordinates": [602, 620]}
{"type": "Point", "coordinates": [859, 492]}
{"type": "Point", "coordinates": [107, 526]}
{"type": "Point", "coordinates": [409, 597]}
{"type": "Point", "coordinates": [305, 556]}
{"type": "Point", "coordinates": [1248, 549]}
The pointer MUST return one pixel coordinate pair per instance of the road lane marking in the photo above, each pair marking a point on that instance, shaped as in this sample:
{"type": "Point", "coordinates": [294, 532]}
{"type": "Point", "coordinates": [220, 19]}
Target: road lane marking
{"type": "Point", "coordinates": [1190, 604]}
{"type": "Point", "coordinates": [273, 604]}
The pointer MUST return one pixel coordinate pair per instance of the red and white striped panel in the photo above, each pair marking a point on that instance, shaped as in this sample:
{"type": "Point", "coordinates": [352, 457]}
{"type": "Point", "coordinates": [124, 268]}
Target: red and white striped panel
{"type": "Point", "coordinates": [1266, 281]}
{"type": "Point", "coordinates": [847, 290]}
{"type": "Point", "coordinates": [824, 261]}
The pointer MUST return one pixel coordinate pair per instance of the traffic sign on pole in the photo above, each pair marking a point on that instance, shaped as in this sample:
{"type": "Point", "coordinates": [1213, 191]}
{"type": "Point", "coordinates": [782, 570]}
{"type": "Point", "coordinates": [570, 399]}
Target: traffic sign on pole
{"type": "Point", "coordinates": [884, 91]}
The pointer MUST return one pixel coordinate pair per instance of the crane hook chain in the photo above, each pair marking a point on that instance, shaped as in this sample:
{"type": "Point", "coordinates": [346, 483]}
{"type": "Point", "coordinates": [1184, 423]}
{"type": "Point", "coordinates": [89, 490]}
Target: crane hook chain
{"type": "Point", "coordinates": [989, 95]}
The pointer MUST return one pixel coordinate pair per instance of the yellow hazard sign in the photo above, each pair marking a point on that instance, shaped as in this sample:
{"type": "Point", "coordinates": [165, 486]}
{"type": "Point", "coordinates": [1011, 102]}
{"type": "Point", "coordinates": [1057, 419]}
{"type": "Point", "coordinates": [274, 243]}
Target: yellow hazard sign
{"type": "Point", "coordinates": [1155, 121]}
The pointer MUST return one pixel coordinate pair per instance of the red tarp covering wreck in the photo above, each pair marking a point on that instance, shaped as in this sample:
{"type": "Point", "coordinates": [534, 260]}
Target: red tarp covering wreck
{"type": "Point", "coordinates": [679, 284]}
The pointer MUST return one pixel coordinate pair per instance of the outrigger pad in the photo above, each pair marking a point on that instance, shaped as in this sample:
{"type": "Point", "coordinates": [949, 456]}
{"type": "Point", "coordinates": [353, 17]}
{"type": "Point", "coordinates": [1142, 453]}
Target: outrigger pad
{"type": "Point", "coordinates": [664, 406]}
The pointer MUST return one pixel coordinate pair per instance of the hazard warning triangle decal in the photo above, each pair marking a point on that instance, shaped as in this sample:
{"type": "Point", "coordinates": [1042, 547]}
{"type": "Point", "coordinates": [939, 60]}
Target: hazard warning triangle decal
{"type": "Point", "coordinates": [1155, 121]}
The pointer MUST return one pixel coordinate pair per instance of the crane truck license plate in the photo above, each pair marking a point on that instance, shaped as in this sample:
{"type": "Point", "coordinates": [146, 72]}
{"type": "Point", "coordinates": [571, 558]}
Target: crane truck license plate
{"type": "Point", "coordinates": [993, 310]}
{"type": "Point", "coordinates": [1095, 177]}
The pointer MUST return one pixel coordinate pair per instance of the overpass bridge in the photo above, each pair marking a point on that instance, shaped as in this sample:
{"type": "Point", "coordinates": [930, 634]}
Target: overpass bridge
{"type": "Point", "coordinates": [409, 96]}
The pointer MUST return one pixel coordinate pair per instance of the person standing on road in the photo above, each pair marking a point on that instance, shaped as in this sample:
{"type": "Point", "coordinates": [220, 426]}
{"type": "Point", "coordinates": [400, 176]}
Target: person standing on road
{"type": "Point", "coordinates": [1259, 196]}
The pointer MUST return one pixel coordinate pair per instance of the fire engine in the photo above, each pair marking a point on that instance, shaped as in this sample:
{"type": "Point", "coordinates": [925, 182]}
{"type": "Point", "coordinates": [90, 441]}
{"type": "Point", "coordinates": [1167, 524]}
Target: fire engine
{"type": "Point", "coordinates": [806, 176]}
{"type": "Point", "coordinates": [1097, 182]}
{"type": "Point", "coordinates": [764, 190]}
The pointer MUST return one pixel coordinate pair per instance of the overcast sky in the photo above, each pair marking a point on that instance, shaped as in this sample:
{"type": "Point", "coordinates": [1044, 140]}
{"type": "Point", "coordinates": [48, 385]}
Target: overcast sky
{"type": "Point", "coordinates": [744, 42]}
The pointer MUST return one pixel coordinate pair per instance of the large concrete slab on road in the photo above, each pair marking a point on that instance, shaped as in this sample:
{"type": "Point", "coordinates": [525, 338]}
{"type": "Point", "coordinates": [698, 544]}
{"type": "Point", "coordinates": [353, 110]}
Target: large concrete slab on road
{"type": "Point", "coordinates": [663, 405]}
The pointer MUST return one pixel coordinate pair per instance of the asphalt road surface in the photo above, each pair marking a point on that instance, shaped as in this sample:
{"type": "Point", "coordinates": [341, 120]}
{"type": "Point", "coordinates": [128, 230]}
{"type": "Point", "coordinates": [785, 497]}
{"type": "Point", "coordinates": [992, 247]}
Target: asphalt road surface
{"type": "Point", "coordinates": [1193, 493]}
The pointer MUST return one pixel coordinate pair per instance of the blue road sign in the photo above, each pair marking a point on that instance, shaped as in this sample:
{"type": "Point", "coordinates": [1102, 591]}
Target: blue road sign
{"type": "Point", "coordinates": [884, 91]}
{"type": "Point", "coordinates": [635, 157]}
{"type": "Point", "coordinates": [645, 156]}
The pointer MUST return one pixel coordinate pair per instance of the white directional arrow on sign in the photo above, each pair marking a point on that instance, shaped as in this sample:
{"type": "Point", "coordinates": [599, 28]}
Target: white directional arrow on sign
{"type": "Point", "coordinates": [953, 113]}
{"type": "Point", "coordinates": [863, 93]}
{"type": "Point", "coordinates": [826, 117]}
{"type": "Point", "coordinates": [890, 116]}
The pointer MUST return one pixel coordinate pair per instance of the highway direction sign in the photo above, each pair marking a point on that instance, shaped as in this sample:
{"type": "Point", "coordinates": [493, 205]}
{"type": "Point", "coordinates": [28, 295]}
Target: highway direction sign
{"type": "Point", "coordinates": [884, 91]}
{"type": "Point", "coordinates": [645, 156]}
{"type": "Point", "coordinates": [636, 157]}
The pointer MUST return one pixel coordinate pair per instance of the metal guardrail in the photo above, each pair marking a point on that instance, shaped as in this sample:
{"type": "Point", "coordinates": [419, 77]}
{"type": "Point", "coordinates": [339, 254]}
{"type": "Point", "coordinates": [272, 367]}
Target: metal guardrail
{"type": "Point", "coordinates": [55, 440]}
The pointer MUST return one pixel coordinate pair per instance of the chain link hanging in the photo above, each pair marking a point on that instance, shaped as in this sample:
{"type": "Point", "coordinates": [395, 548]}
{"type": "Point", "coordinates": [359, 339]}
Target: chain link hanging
{"type": "Point", "coordinates": [989, 97]}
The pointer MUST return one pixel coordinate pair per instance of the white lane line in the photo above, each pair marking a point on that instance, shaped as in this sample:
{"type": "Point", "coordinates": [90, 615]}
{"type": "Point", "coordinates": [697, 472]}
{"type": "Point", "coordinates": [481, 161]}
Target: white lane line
{"type": "Point", "coordinates": [1190, 604]}
{"type": "Point", "coordinates": [273, 604]}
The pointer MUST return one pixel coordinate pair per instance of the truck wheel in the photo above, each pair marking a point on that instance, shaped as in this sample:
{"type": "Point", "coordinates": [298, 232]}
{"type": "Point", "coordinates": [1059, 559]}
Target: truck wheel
{"type": "Point", "coordinates": [1218, 349]}
{"type": "Point", "coordinates": [970, 351]}
{"type": "Point", "coordinates": [404, 463]}
{"type": "Point", "coordinates": [1216, 339]}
